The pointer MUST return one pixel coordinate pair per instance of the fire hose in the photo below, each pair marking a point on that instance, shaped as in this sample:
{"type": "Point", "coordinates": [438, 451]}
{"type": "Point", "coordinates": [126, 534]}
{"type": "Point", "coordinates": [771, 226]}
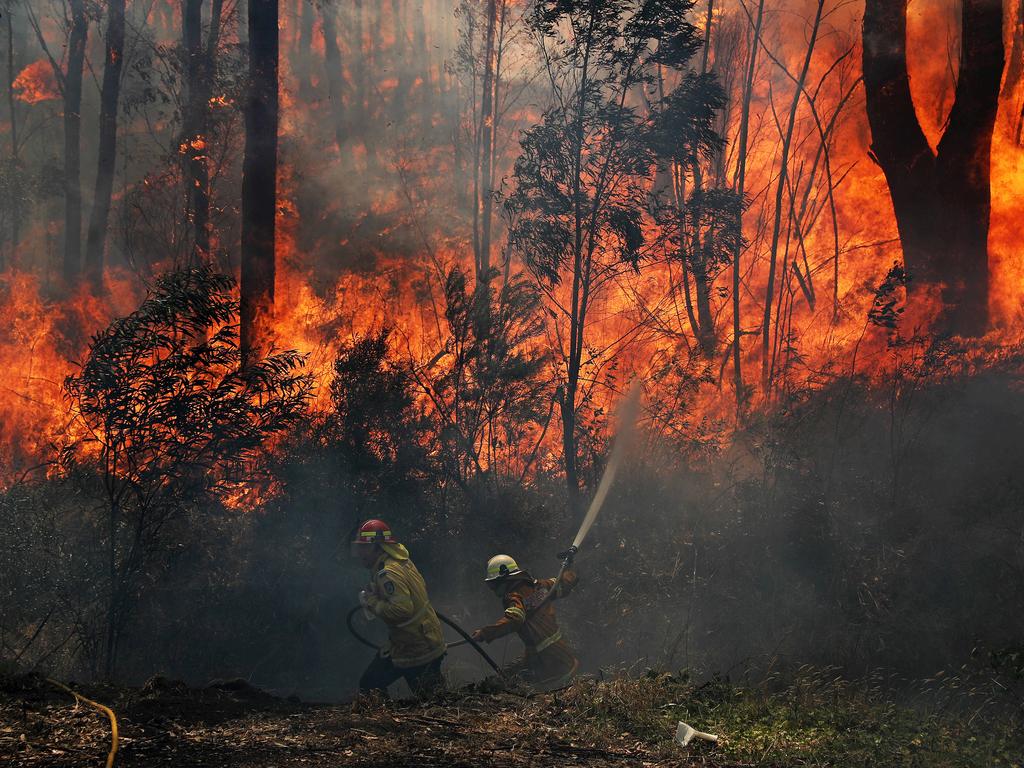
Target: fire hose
{"type": "Point", "coordinates": [466, 637]}
{"type": "Point", "coordinates": [102, 708]}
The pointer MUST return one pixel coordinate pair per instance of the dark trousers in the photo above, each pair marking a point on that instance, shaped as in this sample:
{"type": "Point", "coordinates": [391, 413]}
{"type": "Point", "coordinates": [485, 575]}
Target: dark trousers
{"type": "Point", "coordinates": [423, 680]}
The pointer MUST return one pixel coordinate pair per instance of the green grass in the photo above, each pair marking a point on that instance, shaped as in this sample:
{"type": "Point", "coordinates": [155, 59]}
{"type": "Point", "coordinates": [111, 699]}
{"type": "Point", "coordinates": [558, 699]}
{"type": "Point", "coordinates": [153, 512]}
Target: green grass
{"type": "Point", "coordinates": [816, 721]}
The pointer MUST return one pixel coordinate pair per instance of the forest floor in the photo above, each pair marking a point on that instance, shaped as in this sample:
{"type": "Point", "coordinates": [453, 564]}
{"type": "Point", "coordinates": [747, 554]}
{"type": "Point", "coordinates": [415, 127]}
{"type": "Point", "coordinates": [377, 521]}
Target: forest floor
{"type": "Point", "coordinates": [813, 722]}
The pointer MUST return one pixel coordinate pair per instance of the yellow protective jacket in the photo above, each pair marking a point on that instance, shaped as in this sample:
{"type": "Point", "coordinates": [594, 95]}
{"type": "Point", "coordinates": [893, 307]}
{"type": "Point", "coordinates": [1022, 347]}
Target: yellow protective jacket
{"type": "Point", "coordinates": [398, 596]}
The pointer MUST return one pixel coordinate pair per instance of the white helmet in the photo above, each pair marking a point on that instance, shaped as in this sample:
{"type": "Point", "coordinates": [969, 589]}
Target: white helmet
{"type": "Point", "coordinates": [500, 566]}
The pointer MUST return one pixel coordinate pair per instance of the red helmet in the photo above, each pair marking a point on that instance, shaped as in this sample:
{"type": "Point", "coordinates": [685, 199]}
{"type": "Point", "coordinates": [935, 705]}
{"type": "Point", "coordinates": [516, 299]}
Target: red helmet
{"type": "Point", "coordinates": [374, 532]}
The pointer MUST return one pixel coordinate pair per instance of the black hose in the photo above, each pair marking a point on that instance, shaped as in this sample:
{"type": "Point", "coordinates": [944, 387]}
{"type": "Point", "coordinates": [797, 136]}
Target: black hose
{"type": "Point", "coordinates": [355, 632]}
{"type": "Point", "coordinates": [467, 638]}
{"type": "Point", "coordinates": [567, 558]}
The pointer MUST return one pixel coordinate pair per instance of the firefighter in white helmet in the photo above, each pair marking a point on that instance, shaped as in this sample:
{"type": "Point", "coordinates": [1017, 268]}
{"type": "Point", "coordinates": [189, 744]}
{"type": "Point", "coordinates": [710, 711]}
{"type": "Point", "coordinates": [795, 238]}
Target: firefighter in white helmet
{"type": "Point", "coordinates": [549, 662]}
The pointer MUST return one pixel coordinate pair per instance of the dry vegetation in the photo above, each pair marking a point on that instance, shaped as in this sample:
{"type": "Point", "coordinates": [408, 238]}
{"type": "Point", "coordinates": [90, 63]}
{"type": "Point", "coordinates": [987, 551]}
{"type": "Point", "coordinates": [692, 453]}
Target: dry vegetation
{"type": "Point", "coordinates": [621, 721]}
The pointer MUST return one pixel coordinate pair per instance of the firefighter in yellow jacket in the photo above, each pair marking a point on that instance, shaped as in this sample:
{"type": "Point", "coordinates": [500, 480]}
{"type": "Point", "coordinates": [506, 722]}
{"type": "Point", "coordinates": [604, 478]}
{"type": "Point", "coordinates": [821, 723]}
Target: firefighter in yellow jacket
{"type": "Point", "coordinates": [398, 596]}
{"type": "Point", "coordinates": [549, 661]}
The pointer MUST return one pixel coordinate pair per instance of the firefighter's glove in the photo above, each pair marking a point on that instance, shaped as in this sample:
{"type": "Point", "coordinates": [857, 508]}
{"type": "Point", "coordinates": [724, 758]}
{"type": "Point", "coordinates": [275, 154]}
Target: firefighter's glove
{"type": "Point", "coordinates": [478, 636]}
{"type": "Point", "coordinates": [364, 601]}
{"type": "Point", "coordinates": [569, 555]}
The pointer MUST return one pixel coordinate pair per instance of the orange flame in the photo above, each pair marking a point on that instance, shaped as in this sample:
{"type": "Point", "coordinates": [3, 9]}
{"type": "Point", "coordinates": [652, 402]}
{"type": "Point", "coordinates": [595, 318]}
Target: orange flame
{"type": "Point", "coordinates": [36, 83]}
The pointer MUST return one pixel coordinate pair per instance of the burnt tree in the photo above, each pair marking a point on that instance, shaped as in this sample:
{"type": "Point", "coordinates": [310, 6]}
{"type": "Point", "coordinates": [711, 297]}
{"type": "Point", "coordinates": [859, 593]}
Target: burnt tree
{"type": "Point", "coordinates": [485, 154]}
{"type": "Point", "coordinates": [942, 199]}
{"type": "Point", "coordinates": [259, 175]}
{"type": "Point", "coordinates": [72, 90]}
{"type": "Point", "coordinates": [69, 81]}
{"type": "Point", "coordinates": [301, 49]}
{"type": "Point", "coordinates": [109, 100]}
{"type": "Point", "coordinates": [14, 200]}
{"type": "Point", "coordinates": [200, 69]}
{"type": "Point", "coordinates": [335, 75]}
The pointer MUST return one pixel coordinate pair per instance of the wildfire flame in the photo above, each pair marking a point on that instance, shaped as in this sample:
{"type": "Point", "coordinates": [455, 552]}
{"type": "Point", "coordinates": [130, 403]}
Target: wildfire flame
{"type": "Point", "coordinates": [636, 325]}
{"type": "Point", "coordinates": [36, 83]}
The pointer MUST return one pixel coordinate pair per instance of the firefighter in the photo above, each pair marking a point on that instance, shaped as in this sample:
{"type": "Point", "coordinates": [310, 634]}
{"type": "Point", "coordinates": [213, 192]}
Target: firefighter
{"type": "Point", "coordinates": [398, 596]}
{"type": "Point", "coordinates": [549, 662]}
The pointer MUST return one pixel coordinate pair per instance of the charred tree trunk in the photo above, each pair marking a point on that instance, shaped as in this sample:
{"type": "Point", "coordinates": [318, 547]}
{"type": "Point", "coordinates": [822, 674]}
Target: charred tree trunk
{"type": "Point", "coordinates": [335, 75]}
{"type": "Point", "coordinates": [1014, 74]}
{"type": "Point", "coordinates": [305, 46]}
{"type": "Point", "coordinates": [15, 198]}
{"type": "Point", "coordinates": [767, 356]}
{"type": "Point", "coordinates": [364, 47]}
{"type": "Point", "coordinates": [740, 185]}
{"type": "Point", "coordinates": [201, 68]}
{"type": "Point", "coordinates": [72, 87]}
{"type": "Point", "coordinates": [567, 407]}
{"type": "Point", "coordinates": [401, 60]}
{"type": "Point", "coordinates": [259, 176]}
{"type": "Point", "coordinates": [485, 151]}
{"type": "Point", "coordinates": [109, 101]}
{"type": "Point", "coordinates": [420, 55]}
{"type": "Point", "coordinates": [1015, 65]}
{"type": "Point", "coordinates": [942, 200]}
{"type": "Point", "coordinates": [193, 143]}
{"type": "Point", "coordinates": [707, 334]}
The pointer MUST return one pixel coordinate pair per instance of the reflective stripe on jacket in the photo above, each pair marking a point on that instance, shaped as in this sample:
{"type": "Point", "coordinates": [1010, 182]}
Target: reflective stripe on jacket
{"type": "Point", "coordinates": [400, 599]}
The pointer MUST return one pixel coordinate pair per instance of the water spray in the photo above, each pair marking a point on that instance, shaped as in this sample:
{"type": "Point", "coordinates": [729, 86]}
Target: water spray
{"type": "Point", "coordinates": [628, 412]}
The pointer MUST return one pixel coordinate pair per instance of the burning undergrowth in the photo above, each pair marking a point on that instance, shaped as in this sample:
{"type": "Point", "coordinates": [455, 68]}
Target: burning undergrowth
{"type": "Point", "coordinates": [866, 522]}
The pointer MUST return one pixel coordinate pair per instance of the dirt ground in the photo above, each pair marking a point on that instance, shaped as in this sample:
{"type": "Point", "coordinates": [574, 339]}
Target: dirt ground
{"type": "Point", "coordinates": [232, 724]}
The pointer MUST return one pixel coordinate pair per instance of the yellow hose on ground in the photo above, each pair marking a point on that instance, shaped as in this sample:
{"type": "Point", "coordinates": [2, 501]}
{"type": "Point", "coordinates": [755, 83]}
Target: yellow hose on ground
{"type": "Point", "coordinates": [106, 710]}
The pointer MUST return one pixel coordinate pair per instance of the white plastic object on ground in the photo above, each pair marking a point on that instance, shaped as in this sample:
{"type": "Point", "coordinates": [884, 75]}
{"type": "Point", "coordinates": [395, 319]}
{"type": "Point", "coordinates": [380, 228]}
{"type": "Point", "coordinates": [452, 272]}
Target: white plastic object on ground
{"type": "Point", "coordinates": [685, 734]}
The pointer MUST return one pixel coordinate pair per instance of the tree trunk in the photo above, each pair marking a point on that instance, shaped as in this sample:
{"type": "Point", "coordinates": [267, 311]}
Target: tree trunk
{"type": "Point", "coordinates": [942, 200]}
{"type": "Point", "coordinates": [706, 333]}
{"type": "Point", "coordinates": [485, 150]}
{"type": "Point", "coordinates": [567, 406]}
{"type": "Point", "coordinates": [193, 142]}
{"type": "Point", "coordinates": [335, 76]}
{"type": "Point", "coordinates": [364, 47]}
{"type": "Point", "coordinates": [767, 359]}
{"type": "Point", "coordinates": [15, 199]}
{"type": "Point", "coordinates": [421, 57]}
{"type": "Point", "coordinates": [259, 176]}
{"type": "Point", "coordinates": [109, 101]}
{"type": "Point", "coordinates": [1014, 74]}
{"type": "Point", "coordinates": [740, 185]}
{"type": "Point", "coordinates": [201, 70]}
{"type": "Point", "coordinates": [1015, 65]}
{"type": "Point", "coordinates": [72, 86]}
{"type": "Point", "coordinates": [304, 54]}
